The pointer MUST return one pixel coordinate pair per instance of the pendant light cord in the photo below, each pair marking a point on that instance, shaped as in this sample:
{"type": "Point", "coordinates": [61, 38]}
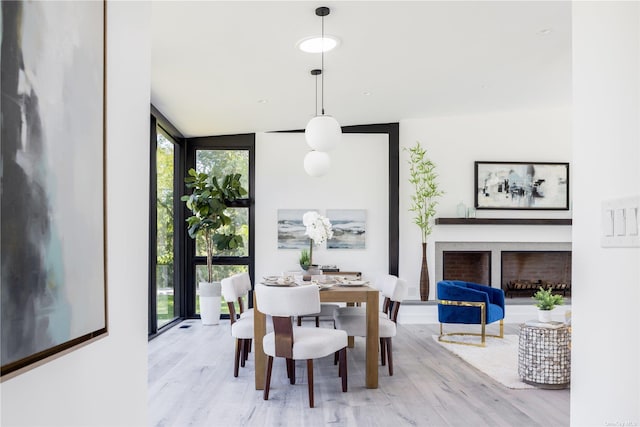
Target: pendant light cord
{"type": "Point", "coordinates": [316, 103]}
{"type": "Point", "coordinates": [322, 65]}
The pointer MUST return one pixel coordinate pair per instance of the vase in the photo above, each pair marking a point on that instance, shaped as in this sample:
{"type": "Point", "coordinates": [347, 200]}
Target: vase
{"type": "Point", "coordinates": [424, 275]}
{"type": "Point", "coordinates": [544, 316]}
{"type": "Point", "coordinates": [210, 298]}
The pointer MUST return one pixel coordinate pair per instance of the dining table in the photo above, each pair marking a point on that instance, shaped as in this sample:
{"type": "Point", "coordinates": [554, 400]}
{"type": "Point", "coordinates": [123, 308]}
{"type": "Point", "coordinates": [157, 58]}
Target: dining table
{"type": "Point", "coordinates": [345, 293]}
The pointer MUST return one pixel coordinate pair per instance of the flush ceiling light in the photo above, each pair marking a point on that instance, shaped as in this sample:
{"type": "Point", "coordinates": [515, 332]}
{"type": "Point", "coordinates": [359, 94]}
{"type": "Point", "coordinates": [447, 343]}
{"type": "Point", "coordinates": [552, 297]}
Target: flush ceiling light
{"type": "Point", "coordinates": [315, 44]}
{"type": "Point", "coordinates": [322, 132]}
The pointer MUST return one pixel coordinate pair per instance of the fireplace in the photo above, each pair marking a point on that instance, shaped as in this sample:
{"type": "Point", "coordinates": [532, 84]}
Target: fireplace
{"type": "Point", "coordinates": [524, 272]}
{"type": "Point", "coordinates": [470, 266]}
{"type": "Point", "coordinates": [519, 268]}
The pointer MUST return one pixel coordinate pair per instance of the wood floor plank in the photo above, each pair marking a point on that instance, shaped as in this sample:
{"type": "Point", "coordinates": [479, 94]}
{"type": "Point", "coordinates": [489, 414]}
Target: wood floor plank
{"type": "Point", "coordinates": [191, 383]}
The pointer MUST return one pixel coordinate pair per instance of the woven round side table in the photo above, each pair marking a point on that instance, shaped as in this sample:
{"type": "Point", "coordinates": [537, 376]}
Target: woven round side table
{"type": "Point", "coordinates": [544, 354]}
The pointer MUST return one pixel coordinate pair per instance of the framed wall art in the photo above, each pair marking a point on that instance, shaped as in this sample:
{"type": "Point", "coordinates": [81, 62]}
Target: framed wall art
{"type": "Point", "coordinates": [291, 230]}
{"type": "Point", "coordinates": [521, 185]}
{"type": "Point", "coordinates": [349, 228]}
{"type": "Point", "coordinates": [53, 290]}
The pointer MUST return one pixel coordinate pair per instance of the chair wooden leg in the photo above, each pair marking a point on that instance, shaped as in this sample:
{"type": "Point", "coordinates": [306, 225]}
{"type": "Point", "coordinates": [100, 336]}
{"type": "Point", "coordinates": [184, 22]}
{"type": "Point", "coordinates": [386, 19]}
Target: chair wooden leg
{"type": "Point", "coordinates": [291, 371]}
{"type": "Point", "coordinates": [236, 360]}
{"type": "Point", "coordinates": [336, 357]}
{"type": "Point", "coordinates": [317, 321]}
{"type": "Point", "coordinates": [389, 355]}
{"type": "Point", "coordinates": [343, 368]}
{"type": "Point", "coordinates": [299, 321]}
{"type": "Point", "coordinates": [310, 375]}
{"type": "Point", "coordinates": [243, 352]}
{"type": "Point", "coordinates": [267, 378]}
{"type": "Point", "coordinates": [383, 354]}
{"type": "Point", "coordinates": [246, 349]}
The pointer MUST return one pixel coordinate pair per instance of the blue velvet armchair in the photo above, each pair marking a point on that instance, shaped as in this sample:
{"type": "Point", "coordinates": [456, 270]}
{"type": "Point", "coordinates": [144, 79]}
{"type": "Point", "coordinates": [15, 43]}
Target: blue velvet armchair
{"type": "Point", "coordinates": [469, 303]}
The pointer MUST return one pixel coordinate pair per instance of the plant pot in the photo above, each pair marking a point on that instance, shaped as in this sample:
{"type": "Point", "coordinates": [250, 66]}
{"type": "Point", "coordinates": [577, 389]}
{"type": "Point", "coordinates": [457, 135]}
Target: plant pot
{"type": "Point", "coordinates": [544, 316]}
{"type": "Point", "coordinates": [210, 299]}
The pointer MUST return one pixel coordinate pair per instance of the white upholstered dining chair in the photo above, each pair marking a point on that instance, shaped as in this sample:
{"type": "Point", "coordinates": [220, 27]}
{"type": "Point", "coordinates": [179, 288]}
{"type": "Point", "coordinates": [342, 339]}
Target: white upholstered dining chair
{"type": "Point", "coordinates": [234, 290]}
{"type": "Point", "coordinates": [294, 342]}
{"type": "Point", "coordinates": [353, 319]}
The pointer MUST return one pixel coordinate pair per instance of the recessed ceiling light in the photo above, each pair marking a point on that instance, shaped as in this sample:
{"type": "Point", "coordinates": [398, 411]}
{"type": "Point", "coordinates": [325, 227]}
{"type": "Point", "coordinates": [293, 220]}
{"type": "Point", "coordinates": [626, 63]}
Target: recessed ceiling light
{"type": "Point", "coordinates": [315, 44]}
{"type": "Point", "coordinates": [262, 101]}
{"type": "Point", "coordinates": [545, 31]}
{"type": "Point", "coordinates": [366, 93]}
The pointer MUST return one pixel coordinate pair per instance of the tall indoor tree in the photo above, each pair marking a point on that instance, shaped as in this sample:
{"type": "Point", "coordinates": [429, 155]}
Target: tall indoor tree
{"type": "Point", "coordinates": [423, 178]}
{"type": "Point", "coordinates": [208, 202]}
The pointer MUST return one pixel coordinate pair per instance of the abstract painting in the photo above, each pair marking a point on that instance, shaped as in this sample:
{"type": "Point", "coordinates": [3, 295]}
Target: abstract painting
{"type": "Point", "coordinates": [349, 228]}
{"type": "Point", "coordinates": [521, 185]}
{"type": "Point", "coordinates": [291, 230]}
{"type": "Point", "coordinates": [52, 248]}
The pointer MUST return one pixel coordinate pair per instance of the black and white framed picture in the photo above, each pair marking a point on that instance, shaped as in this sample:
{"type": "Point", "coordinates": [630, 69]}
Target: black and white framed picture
{"type": "Point", "coordinates": [349, 228]}
{"type": "Point", "coordinates": [521, 185]}
{"type": "Point", "coordinates": [53, 289]}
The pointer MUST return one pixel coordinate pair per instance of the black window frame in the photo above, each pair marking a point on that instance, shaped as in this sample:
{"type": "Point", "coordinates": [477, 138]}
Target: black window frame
{"type": "Point", "coordinates": [222, 142]}
{"type": "Point", "coordinates": [158, 121]}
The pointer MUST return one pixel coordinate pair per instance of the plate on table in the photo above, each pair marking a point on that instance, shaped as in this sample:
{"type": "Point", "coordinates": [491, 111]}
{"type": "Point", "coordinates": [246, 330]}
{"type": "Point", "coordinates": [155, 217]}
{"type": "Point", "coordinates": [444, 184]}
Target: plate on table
{"type": "Point", "coordinates": [325, 286]}
{"type": "Point", "coordinates": [271, 278]}
{"type": "Point", "coordinates": [275, 283]}
{"type": "Point", "coordinates": [354, 283]}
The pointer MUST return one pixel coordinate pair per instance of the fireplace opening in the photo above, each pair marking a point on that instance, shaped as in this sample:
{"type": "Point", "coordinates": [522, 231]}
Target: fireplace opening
{"type": "Point", "coordinates": [469, 266]}
{"type": "Point", "coordinates": [524, 272]}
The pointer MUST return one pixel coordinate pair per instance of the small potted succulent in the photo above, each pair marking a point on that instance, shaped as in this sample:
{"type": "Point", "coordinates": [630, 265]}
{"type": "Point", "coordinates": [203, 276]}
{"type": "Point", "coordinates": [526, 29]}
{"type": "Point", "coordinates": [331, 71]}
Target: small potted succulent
{"type": "Point", "coordinates": [546, 301]}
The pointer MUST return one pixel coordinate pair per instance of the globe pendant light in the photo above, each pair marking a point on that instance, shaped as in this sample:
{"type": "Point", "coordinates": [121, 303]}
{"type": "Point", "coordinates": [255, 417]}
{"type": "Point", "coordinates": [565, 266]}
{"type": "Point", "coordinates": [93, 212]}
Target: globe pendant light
{"type": "Point", "coordinates": [322, 132]}
{"type": "Point", "coordinates": [317, 163]}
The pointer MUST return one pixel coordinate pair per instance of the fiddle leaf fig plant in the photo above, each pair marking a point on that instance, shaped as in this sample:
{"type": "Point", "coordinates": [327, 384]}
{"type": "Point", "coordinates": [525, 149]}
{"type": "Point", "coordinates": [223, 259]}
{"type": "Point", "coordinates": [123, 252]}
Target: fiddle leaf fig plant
{"type": "Point", "coordinates": [208, 202]}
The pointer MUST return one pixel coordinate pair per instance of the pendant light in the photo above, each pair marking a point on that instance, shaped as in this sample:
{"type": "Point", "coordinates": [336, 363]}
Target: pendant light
{"type": "Point", "coordinates": [322, 132]}
{"type": "Point", "coordinates": [317, 163]}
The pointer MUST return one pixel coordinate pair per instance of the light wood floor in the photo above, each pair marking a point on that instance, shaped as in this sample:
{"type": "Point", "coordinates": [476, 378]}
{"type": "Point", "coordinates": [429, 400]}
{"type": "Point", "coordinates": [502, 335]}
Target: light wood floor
{"type": "Point", "coordinates": [191, 383]}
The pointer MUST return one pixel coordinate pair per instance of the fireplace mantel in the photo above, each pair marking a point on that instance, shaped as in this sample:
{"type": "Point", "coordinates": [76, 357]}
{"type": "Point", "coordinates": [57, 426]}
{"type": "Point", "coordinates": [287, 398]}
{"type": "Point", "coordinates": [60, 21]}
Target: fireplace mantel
{"type": "Point", "coordinates": [503, 221]}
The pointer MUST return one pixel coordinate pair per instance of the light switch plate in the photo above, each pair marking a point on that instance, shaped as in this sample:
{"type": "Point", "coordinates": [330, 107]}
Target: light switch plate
{"type": "Point", "coordinates": [620, 222]}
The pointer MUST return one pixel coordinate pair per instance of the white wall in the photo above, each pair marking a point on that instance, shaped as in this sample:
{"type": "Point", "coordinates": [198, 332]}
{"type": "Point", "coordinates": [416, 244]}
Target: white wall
{"type": "Point", "coordinates": [105, 383]}
{"type": "Point", "coordinates": [605, 361]}
{"type": "Point", "coordinates": [358, 179]}
{"type": "Point", "coordinates": [454, 143]}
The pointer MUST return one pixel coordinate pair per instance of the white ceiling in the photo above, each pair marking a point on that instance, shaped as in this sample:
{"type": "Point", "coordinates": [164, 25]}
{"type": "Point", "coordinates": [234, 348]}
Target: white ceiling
{"type": "Point", "coordinates": [213, 62]}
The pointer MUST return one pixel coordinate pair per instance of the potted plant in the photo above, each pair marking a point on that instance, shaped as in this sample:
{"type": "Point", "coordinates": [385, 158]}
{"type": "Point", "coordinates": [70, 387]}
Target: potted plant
{"type": "Point", "coordinates": [305, 260]}
{"type": "Point", "coordinates": [208, 202]}
{"type": "Point", "coordinates": [422, 176]}
{"type": "Point", "coordinates": [546, 302]}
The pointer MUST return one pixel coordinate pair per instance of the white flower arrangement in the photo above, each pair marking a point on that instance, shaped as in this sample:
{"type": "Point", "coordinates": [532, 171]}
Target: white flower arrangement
{"type": "Point", "coordinates": [319, 227]}
{"type": "Point", "coordinates": [319, 230]}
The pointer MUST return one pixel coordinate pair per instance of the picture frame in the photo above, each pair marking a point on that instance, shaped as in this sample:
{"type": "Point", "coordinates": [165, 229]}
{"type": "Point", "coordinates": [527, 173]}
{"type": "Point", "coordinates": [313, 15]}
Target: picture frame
{"type": "Point", "coordinates": [53, 288]}
{"type": "Point", "coordinates": [291, 230]}
{"type": "Point", "coordinates": [521, 185]}
{"type": "Point", "coordinates": [349, 228]}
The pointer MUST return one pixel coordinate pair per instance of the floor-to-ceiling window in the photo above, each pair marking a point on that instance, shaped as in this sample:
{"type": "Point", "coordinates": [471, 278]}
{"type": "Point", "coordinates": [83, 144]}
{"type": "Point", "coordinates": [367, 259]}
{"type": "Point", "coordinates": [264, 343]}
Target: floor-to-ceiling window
{"type": "Point", "coordinates": [166, 300]}
{"type": "Point", "coordinates": [165, 258]}
{"type": "Point", "coordinates": [176, 262]}
{"type": "Point", "coordinates": [221, 156]}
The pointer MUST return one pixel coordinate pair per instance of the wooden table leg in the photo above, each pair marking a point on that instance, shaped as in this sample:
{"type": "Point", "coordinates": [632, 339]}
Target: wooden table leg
{"type": "Point", "coordinates": [371, 379]}
{"type": "Point", "coordinates": [259, 331]}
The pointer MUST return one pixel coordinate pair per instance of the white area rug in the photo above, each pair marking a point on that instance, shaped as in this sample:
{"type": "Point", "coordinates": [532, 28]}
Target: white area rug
{"type": "Point", "coordinates": [499, 359]}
